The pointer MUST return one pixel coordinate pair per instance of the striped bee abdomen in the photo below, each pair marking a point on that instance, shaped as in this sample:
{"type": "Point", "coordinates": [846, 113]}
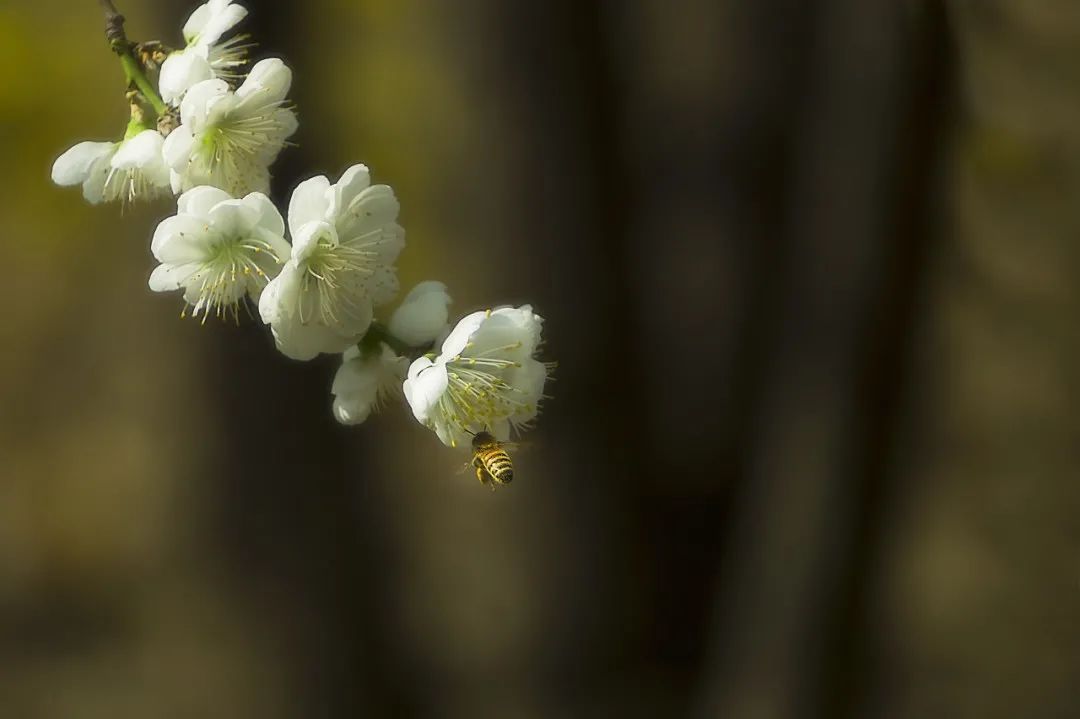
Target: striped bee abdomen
{"type": "Point", "coordinates": [497, 463]}
{"type": "Point", "coordinates": [491, 460]}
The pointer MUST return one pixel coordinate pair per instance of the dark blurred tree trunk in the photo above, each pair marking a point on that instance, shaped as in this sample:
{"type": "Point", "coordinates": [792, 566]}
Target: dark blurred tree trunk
{"type": "Point", "coordinates": [790, 636]}
{"type": "Point", "coordinates": [300, 534]}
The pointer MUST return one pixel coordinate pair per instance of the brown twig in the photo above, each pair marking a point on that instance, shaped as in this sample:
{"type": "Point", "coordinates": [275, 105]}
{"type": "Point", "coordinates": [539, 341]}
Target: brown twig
{"type": "Point", "coordinates": [114, 25]}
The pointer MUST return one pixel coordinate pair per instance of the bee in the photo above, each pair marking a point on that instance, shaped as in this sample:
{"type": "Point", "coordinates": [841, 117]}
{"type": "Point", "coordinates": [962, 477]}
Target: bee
{"type": "Point", "coordinates": [491, 460]}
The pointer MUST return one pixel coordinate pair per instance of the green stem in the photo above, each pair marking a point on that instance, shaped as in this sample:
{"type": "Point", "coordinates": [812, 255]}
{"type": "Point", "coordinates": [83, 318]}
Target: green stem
{"type": "Point", "coordinates": [114, 33]}
{"type": "Point", "coordinates": [135, 75]}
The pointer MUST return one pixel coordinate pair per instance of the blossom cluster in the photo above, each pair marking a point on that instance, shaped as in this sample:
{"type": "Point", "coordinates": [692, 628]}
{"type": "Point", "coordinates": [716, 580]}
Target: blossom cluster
{"type": "Point", "coordinates": [321, 273]}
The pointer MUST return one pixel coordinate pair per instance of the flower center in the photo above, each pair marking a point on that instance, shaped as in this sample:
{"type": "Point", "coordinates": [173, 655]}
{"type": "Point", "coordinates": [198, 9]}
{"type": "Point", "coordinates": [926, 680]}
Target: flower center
{"type": "Point", "coordinates": [477, 396]}
{"type": "Point", "coordinates": [231, 149]}
{"type": "Point", "coordinates": [226, 274]}
{"type": "Point", "coordinates": [334, 285]}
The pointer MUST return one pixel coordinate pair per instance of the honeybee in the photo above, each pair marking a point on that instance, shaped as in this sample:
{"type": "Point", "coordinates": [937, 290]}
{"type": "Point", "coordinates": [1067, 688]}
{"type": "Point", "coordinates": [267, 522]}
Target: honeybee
{"type": "Point", "coordinates": [491, 460]}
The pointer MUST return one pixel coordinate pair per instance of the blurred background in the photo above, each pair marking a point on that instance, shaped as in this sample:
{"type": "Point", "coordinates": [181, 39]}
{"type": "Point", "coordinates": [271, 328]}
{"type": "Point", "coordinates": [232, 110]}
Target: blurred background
{"type": "Point", "coordinates": [811, 272]}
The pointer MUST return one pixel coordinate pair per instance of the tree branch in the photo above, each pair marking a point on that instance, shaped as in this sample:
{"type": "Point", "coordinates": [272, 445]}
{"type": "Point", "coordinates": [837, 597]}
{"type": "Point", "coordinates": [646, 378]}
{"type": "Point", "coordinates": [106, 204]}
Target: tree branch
{"type": "Point", "coordinates": [114, 25]}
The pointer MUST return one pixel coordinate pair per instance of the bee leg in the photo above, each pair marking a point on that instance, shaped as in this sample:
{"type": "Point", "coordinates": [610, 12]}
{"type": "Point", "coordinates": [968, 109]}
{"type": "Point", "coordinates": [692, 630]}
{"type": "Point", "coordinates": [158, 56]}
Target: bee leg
{"type": "Point", "coordinates": [481, 474]}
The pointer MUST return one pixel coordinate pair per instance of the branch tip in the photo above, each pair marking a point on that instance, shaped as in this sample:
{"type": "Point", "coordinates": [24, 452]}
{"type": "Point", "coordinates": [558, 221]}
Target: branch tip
{"type": "Point", "coordinates": [114, 24]}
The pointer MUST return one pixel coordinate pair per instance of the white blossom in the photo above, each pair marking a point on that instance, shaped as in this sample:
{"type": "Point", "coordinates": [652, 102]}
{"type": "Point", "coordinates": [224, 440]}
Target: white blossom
{"type": "Point", "coordinates": [345, 239]}
{"type": "Point", "coordinates": [229, 139]}
{"type": "Point", "coordinates": [205, 57]}
{"type": "Point", "coordinates": [219, 250]}
{"type": "Point", "coordinates": [129, 170]}
{"type": "Point", "coordinates": [486, 377]}
{"type": "Point", "coordinates": [364, 381]}
{"type": "Point", "coordinates": [422, 315]}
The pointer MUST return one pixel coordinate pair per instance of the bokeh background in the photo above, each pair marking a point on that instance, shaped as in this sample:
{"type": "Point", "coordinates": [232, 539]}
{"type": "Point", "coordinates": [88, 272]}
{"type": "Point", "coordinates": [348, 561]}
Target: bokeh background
{"type": "Point", "coordinates": [811, 271]}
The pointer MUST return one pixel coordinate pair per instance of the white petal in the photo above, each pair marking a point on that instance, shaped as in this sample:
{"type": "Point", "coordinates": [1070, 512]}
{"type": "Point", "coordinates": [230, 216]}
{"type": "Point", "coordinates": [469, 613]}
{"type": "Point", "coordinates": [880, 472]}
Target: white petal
{"type": "Point", "coordinates": [180, 71]}
{"type": "Point", "coordinates": [424, 386]}
{"type": "Point", "coordinates": [308, 203]}
{"type": "Point", "coordinates": [143, 150]}
{"type": "Point", "coordinates": [268, 82]}
{"type": "Point", "coordinates": [177, 148]}
{"type": "Point", "coordinates": [282, 295]}
{"type": "Point", "coordinates": [353, 320]}
{"type": "Point", "coordinates": [450, 435]}
{"type": "Point", "coordinates": [180, 239]}
{"type": "Point", "coordinates": [528, 380]}
{"type": "Point", "coordinates": [94, 187]}
{"type": "Point", "coordinates": [200, 200]}
{"type": "Point", "coordinates": [220, 22]}
{"type": "Point", "coordinates": [357, 375]}
{"type": "Point", "coordinates": [285, 120]}
{"type": "Point", "coordinates": [459, 337]}
{"type": "Point", "coordinates": [279, 249]}
{"type": "Point", "coordinates": [307, 237]}
{"type": "Point", "coordinates": [353, 181]}
{"type": "Point", "coordinates": [232, 218]}
{"type": "Point", "coordinates": [422, 315]}
{"type": "Point", "coordinates": [370, 210]}
{"type": "Point", "coordinates": [196, 22]}
{"type": "Point", "coordinates": [218, 109]}
{"type": "Point", "coordinates": [176, 181]}
{"type": "Point", "coordinates": [531, 326]}
{"type": "Point", "coordinates": [73, 167]}
{"type": "Point", "coordinates": [305, 342]}
{"type": "Point", "coordinates": [383, 286]}
{"type": "Point", "coordinates": [269, 217]}
{"type": "Point", "coordinates": [166, 278]}
{"type": "Point", "coordinates": [352, 409]}
{"type": "Point", "coordinates": [195, 106]}
{"type": "Point", "coordinates": [501, 338]}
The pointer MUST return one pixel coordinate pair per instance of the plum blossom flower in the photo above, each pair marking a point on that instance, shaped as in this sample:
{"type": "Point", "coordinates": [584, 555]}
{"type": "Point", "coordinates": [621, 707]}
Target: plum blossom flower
{"type": "Point", "coordinates": [205, 57]}
{"type": "Point", "coordinates": [422, 315]}
{"type": "Point", "coordinates": [129, 170]}
{"type": "Point", "coordinates": [345, 239]}
{"type": "Point", "coordinates": [218, 250]}
{"type": "Point", "coordinates": [486, 377]}
{"type": "Point", "coordinates": [229, 139]}
{"type": "Point", "coordinates": [364, 381]}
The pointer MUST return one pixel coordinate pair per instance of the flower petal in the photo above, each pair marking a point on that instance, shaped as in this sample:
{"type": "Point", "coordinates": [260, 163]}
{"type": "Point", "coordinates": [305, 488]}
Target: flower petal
{"type": "Point", "coordinates": [353, 181]}
{"type": "Point", "coordinates": [143, 150]}
{"type": "Point", "coordinates": [306, 341]}
{"type": "Point", "coordinates": [268, 82]}
{"type": "Point", "coordinates": [356, 375]}
{"type": "Point", "coordinates": [308, 203]}
{"type": "Point", "coordinates": [425, 385]}
{"type": "Point", "coordinates": [177, 148]}
{"type": "Point", "coordinates": [73, 167]}
{"type": "Point", "coordinates": [199, 98]}
{"type": "Point", "coordinates": [370, 210]}
{"type": "Point", "coordinates": [383, 286]}
{"type": "Point", "coordinates": [180, 239]}
{"type": "Point", "coordinates": [233, 218]}
{"type": "Point", "coordinates": [196, 22]}
{"type": "Point", "coordinates": [461, 334]}
{"type": "Point", "coordinates": [166, 278]}
{"type": "Point", "coordinates": [223, 18]}
{"type": "Point", "coordinates": [200, 200]}
{"type": "Point", "coordinates": [422, 314]}
{"type": "Point", "coordinates": [269, 217]}
{"type": "Point", "coordinates": [528, 381]}
{"type": "Point", "coordinates": [352, 409]}
{"type": "Point", "coordinates": [180, 71]}
{"type": "Point", "coordinates": [307, 238]}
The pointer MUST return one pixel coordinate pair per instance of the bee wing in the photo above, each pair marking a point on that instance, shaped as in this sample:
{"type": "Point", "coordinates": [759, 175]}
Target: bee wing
{"type": "Point", "coordinates": [517, 446]}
